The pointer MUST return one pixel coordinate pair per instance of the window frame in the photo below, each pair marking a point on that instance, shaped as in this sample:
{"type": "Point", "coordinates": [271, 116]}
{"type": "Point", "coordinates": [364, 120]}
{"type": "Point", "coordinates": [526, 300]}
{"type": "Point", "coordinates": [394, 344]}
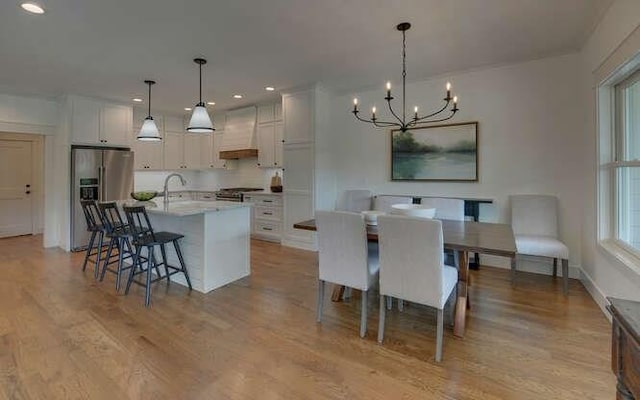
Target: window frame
{"type": "Point", "coordinates": [611, 147]}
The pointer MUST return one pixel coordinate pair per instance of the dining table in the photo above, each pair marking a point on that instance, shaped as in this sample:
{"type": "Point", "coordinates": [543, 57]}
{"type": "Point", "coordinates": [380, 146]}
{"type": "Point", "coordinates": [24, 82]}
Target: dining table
{"type": "Point", "coordinates": [461, 237]}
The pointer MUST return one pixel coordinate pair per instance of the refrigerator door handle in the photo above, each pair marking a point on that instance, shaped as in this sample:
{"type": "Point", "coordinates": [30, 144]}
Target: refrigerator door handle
{"type": "Point", "coordinates": [100, 184]}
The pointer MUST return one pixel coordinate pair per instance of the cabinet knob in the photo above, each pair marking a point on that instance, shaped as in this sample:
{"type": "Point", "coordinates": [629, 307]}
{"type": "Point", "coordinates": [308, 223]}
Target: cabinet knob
{"type": "Point", "coordinates": [258, 164]}
{"type": "Point", "coordinates": [275, 163]}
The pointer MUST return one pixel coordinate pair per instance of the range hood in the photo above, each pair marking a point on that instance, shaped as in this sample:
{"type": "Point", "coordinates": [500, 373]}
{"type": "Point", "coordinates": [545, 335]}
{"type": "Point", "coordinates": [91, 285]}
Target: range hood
{"type": "Point", "coordinates": [239, 139]}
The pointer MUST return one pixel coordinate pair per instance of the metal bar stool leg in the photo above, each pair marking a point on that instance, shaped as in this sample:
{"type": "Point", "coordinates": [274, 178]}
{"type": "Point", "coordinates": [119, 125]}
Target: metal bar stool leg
{"type": "Point", "coordinates": [163, 250]}
{"type": "Point", "coordinates": [182, 263]}
{"type": "Point", "coordinates": [89, 249]}
{"type": "Point", "coordinates": [151, 263]}
{"type": "Point", "coordinates": [134, 266]}
{"type": "Point", "coordinates": [112, 244]}
{"type": "Point", "coordinates": [98, 254]}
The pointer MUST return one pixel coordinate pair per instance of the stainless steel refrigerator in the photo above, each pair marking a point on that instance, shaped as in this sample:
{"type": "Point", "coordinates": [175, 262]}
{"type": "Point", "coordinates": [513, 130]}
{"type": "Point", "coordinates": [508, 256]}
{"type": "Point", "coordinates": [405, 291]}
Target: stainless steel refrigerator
{"type": "Point", "coordinates": [97, 174]}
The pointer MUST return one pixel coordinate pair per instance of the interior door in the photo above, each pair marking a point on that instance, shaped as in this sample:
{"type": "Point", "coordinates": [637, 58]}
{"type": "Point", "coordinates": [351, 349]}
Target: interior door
{"type": "Point", "coordinates": [117, 178]}
{"type": "Point", "coordinates": [15, 188]}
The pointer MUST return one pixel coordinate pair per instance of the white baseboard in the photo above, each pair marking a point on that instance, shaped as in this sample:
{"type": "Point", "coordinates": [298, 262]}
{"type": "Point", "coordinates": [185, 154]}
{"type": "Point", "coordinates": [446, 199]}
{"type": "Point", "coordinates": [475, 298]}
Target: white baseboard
{"type": "Point", "coordinates": [300, 244]}
{"type": "Point", "coordinates": [596, 293]}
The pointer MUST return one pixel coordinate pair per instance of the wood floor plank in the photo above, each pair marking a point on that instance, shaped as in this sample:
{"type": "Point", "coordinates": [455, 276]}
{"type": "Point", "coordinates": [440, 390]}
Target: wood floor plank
{"type": "Point", "coordinates": [65, 336]}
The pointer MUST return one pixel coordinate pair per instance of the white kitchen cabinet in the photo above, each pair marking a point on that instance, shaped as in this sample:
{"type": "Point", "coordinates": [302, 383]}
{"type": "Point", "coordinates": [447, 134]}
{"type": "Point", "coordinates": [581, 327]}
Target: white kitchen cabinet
{"type": "Point", "coordinates": [266, 133]}
{"type": "Point", "coordinates": [95, 122]}
{"type": "Point", "coordinates": [193, 142]}
{"type": "Point", "coordinates": [278, 144]}
{"type": "Point", "coordinates": [148, 155]}
{"type": "Point", "coordinates": [115, 124]}
{"type": "Point", "coordinates": [173, 124]}
{"type": "Point", "coordinates": [305, 119]}
{"type": "Point", "coordinates": [270, 136]}
{"type": "Point", "coordinates": [184, 150]}
{"type": "Point", "coordinates": [266, 216]}
{"type": "Point", "coordinates": [298, 116]}
{"type": "Point", "coordinates": [278, 111]}
{"type": "Point", "coordinates": [173, 150]}
{"type": "Point", "coordinates": [266, 113]}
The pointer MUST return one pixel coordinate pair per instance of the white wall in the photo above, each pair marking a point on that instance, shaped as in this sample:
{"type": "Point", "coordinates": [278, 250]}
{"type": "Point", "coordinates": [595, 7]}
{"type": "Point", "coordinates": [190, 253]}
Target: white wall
{"type": "Point", "coordinates": [603, 275]}
{"type": "Point", "coordinates": [529, 140]}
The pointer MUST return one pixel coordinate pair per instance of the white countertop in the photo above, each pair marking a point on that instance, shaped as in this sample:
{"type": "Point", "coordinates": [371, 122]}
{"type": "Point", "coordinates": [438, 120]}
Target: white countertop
{"type": "Point", "coordinates": [185, 208]}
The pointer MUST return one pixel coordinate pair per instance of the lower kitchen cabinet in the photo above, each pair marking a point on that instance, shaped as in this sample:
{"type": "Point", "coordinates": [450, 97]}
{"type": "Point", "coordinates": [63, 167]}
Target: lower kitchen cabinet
{"type": "Point", "coordinates": [266, 216]}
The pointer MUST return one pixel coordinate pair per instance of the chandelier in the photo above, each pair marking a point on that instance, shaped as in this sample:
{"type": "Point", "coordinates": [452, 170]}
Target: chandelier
{"type": "Point", "coordinates": [417, 120]}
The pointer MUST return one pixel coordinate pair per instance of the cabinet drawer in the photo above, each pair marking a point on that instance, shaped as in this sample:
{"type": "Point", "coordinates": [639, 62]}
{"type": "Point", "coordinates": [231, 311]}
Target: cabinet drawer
{"type": "Point", "coordinates": [273, 201]}
{"type": "Point", "coordinates": [268, 213]}
{"type": "Point", "coordinates": [267, 228]}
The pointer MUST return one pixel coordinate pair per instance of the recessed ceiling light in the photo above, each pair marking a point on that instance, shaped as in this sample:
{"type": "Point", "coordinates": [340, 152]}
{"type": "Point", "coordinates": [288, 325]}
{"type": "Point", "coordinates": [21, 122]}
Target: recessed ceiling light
{"type": "Point", "coordinates": [211, 103]}
{"type": "Point", "coordinates": [137, 100]}
{"type": "Point", "coordinates": [187, 108]}
{"type": "Point", "coordinates": [32, 8]}
{"type": "Point", "coordinates": [237, 96]}
{"type": "Point", "coordinates": [269, 88]}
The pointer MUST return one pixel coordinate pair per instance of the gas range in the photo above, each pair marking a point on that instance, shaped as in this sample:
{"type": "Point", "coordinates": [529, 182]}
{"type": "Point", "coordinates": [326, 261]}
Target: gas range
{"type": "Point", "coordinates": [234, 194]}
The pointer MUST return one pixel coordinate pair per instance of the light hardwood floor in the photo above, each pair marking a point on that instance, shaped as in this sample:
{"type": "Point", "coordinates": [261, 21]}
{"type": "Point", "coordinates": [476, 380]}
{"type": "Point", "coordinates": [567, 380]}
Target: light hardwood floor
{"type": "Point", "coordinates": [64, 336]}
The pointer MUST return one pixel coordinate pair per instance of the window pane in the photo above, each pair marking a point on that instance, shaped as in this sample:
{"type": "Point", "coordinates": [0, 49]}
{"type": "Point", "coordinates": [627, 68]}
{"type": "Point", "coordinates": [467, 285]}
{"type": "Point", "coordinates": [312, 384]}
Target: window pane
{"type": "Point", "coordinates": [631, 124]}
{"type": "Point", "coordinates": [628, 183]}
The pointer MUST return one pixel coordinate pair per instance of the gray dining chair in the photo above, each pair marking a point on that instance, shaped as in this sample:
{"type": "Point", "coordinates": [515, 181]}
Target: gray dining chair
{"type": "Point", "coordinates": [345, 257]}
{"type": "Point", "coordinates": [534, 219]}
{"type": "Point", "coordinates": [412, 268]}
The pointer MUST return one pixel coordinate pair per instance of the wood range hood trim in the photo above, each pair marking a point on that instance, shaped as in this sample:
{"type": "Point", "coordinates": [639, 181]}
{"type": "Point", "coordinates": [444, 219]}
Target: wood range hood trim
{"type": "Point", "coordinates": [236, 154]}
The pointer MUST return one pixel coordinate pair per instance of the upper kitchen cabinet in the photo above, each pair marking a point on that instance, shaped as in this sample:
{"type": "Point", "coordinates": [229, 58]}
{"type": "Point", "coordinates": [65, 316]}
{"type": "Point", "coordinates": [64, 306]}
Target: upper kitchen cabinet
{"type": "Point", "coordinates": [270, 112]}
{"type": "Point", "coordinates": [298, 116]}
{"type": "Point", "coordinates": [95, 122]}
{"type": "Point", "coordinates": [174, 124]}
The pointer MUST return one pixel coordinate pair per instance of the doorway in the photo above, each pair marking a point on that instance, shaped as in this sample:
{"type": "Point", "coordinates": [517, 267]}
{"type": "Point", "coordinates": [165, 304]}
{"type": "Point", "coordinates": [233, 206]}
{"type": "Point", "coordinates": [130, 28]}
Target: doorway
{"type": "Point", "coordinates": [20, 184]}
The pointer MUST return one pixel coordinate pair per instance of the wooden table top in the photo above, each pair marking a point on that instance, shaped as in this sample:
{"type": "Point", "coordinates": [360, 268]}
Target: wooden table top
{"type": "Point", "coordinates": [475, 237]}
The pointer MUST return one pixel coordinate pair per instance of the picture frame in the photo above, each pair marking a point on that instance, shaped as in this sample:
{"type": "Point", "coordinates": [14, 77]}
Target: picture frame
{"type": "Point", "coordinates": [437, 153]}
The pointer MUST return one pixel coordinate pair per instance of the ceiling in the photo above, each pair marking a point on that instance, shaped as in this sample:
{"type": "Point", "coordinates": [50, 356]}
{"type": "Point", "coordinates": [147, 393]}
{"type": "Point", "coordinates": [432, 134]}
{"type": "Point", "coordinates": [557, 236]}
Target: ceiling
{"type": "Point", "coordinates": [107, 48]}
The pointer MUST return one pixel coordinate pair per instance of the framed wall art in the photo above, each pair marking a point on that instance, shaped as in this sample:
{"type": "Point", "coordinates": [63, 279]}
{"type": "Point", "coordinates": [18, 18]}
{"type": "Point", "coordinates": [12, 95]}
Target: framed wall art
{"type": "Point", "coordinates": [435, 153]}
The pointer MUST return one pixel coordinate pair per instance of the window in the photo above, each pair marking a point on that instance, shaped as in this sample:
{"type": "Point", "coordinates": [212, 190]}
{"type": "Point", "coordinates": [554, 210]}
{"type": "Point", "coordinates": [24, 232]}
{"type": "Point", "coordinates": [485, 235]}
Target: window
{"type": "Point", "coordinates": [625, 167]}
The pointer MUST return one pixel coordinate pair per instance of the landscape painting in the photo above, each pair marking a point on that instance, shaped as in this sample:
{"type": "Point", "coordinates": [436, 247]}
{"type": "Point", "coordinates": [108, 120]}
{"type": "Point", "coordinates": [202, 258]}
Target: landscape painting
{"type": "Point", "coordinates": [435, 153]}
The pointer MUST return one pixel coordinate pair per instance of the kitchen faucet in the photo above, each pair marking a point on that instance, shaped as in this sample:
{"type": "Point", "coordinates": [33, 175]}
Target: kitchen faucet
{"type": "Point", "coordinates": [166, 185]}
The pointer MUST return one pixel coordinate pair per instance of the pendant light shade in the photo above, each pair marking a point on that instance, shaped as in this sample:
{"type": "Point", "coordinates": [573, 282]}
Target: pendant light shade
{"type": "Point", "coordinates": [149, 131]}
{"type": "Point", "coordinates": [200, 121]}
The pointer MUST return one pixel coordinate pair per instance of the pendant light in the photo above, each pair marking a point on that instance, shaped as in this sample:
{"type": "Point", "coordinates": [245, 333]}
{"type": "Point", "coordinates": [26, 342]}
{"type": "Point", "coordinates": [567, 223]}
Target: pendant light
{"type": "Point", "coordinates": [200, 121]}
{"type": "Point", "coordinates": [149, 131]}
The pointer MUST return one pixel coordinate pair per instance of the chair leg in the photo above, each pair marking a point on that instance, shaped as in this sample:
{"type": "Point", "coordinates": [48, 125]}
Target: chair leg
{"type": "Point", "coordinates": [120, 262]}
{"type": "Point", "coordinates": [565, 276]}
{"type": "Point", "coordinates": [513, 271]}
{"type": "Point", "coordinates": [182, 263]}
{"type": "Point", "coordinates": [96, 268]}
{"type": "Point", "coordinates": [151, 263]}
{"type": "Point", "coordinates": [439, 335]}
{"type": "Point", "coordinates": [89, 249]}
{"type": "Point", "coordinates": [555, 267]}
{"type": "Point", "coordinates": [320, 300]}
{"type": "Point", "coordinates": [389, 303]}
{"type": "Point", "coordinates": [383, 311]}
{"type": "Point", "coordinates": [363, 313]}
{"type": "Point", "coordinates": [400, 305]}
{"type": "Point", "coordinates": [163, 251]}
{"type": "Point", "coordinates": [452, 305]}
{"type": "Point", "coordinates": [106, 260]}
{"type": "Point", "coordinates": [134, 266]}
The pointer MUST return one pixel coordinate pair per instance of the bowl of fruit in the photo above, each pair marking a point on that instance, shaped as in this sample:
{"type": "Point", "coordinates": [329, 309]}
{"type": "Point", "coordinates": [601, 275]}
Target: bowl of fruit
{"type": "Point", "coordinates": [144, 196]}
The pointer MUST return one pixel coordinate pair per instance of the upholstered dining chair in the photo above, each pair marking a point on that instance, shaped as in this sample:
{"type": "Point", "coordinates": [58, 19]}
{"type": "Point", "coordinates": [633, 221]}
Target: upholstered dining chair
{"type": "Point", "coordinates": [345, 257]}
{"type": "Point", "coordinates": [384, 202]}
{"type": "Point", "coordinates": [534, 219]}
{"type": "Point", "coordinates": [412, 269]}
{"type": "Point", "coordinates": [445, 208]}
{"type": "Point", "coordinates": [356, 200]}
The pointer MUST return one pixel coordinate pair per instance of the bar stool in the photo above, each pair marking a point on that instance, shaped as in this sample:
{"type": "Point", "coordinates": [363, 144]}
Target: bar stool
{"type": "Point", "coordinates": [118, 232]}
{"type": "Point", "coordinates": [144, 236]}
{"type": "Point", "coordinates": [95, 225]}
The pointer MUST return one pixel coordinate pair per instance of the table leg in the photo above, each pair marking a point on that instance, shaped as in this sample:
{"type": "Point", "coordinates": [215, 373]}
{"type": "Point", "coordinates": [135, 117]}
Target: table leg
{"type": "Point", "coordinates": [338, 291]}
{"type": "Point", "coordinates": [462, 302]}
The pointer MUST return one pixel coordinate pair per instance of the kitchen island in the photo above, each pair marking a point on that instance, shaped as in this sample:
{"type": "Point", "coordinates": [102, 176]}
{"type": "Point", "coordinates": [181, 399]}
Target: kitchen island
{"type": "Point", "coordinates": [216, 243]}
